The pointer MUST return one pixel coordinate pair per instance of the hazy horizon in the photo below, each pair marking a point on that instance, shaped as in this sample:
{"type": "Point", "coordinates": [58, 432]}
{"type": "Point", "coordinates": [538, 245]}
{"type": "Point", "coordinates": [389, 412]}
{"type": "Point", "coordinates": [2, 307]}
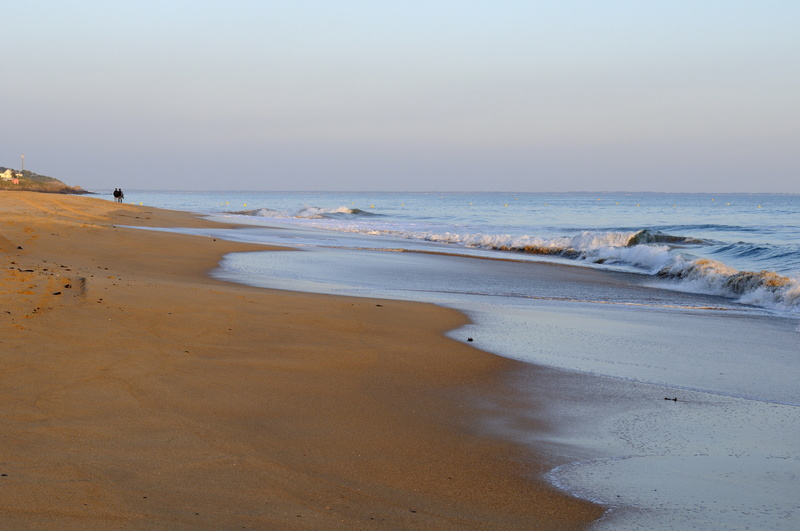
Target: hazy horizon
{"type": "Point", "coordinates": [425, 96]}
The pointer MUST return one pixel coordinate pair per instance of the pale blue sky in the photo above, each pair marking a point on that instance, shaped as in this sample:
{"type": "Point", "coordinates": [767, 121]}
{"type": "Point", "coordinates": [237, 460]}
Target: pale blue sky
{"type": "Point", "coordinates": [404, 95]}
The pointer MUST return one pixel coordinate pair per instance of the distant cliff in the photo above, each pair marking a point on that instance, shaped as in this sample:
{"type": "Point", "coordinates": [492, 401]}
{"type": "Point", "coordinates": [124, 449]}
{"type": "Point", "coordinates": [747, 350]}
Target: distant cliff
{"type": "Point", "coordinates": [33, 182]}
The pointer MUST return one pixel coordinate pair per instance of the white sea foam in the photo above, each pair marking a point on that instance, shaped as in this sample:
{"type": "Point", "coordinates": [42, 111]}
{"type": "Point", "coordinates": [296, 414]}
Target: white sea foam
{"type": "Point", "coordinates": [647, 257]}
{"type": "Point", "coordinates": [305, 212]}
{"type": "Point", "coordinates": [312, 212]}
{"type": "Point", "coordinates": [758, 288]}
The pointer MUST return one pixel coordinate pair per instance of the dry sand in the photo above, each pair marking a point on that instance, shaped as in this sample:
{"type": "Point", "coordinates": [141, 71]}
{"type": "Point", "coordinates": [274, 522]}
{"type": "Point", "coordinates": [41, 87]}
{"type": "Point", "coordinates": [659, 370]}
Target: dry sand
{"type": "Point", "coordinates": [138, 392]}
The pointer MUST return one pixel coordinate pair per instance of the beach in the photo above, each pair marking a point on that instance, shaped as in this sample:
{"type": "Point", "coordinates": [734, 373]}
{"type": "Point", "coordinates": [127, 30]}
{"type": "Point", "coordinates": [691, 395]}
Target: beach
{"type": "Point", "coordinates": [140, 392]}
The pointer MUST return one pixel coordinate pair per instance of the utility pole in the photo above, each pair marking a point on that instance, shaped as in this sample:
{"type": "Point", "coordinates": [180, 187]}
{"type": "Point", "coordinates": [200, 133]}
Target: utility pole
{"type": "Point", "coordinates": [22, 164]}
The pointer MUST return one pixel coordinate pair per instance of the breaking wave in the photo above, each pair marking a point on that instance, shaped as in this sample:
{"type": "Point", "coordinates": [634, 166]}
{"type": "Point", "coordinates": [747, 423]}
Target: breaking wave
{"type": "Point", "coordinates": [759, 288]}
{"type": "Point", "coordinates": [306, 212]}
{"type": "Point", "coordinates": [658, 254]}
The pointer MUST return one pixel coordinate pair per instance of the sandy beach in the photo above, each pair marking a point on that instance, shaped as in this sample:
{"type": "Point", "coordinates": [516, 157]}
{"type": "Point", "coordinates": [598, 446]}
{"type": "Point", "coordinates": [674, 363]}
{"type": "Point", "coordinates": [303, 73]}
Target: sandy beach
{"type": "Point", "coordinates": [138, 392]}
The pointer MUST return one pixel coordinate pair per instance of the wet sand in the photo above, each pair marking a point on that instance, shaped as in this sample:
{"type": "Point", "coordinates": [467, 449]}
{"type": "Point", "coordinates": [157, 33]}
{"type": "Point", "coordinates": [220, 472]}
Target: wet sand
{"type": "Point", "coordinates": [139, 392]}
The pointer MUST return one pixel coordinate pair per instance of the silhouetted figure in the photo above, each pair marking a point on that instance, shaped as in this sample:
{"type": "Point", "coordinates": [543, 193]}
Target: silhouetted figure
{"type": "Point", "coordinates": [118, 195]}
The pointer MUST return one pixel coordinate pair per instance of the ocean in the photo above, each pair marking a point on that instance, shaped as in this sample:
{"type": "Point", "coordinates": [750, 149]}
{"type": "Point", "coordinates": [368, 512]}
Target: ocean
{"type": "Point", "coordinates": [691, 297]}
{"type": "Point", "coordinates": [744, 247]}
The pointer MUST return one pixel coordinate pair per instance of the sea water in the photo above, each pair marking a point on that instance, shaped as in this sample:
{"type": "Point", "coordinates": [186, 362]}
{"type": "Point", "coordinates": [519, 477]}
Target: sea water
{"type": "Point", "coordinates": [742, 246]}
{"type": "Point", "coordinates": [695, 297]}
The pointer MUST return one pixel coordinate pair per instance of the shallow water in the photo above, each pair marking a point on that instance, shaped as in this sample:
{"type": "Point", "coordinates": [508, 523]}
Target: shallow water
{"type": "Point", "coordinates": [702, 462]}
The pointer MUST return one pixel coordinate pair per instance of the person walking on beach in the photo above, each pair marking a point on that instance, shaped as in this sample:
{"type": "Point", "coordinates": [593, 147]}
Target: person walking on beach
{"type": "Point", "coordinates": [118, 195]}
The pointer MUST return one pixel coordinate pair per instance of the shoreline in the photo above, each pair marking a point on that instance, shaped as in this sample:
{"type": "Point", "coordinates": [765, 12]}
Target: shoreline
{"type": "Point", "coordinates": [718, 417]}
{"type": "Point", "coordinates": [148, 392]}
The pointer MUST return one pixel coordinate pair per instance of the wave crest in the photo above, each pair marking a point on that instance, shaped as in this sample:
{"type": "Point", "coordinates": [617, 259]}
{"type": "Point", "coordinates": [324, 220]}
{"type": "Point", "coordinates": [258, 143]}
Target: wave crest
{"type": "Point", "coordinates": [654, 253]}
{"type": "Point", "coordinates": [644, 237]}
{"type": "Point", "coordinates": [306, 212]}
{"type": "Point", "coordinates": [759, 288]}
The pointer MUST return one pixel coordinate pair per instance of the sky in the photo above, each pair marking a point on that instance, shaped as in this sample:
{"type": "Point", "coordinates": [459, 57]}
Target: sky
{"type": "Point", "coordinates": [406, 95]}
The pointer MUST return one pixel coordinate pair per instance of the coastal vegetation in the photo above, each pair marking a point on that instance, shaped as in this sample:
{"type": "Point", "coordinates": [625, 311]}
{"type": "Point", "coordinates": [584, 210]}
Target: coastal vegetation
{"type": "Point", "coordinates": [27, 180]}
